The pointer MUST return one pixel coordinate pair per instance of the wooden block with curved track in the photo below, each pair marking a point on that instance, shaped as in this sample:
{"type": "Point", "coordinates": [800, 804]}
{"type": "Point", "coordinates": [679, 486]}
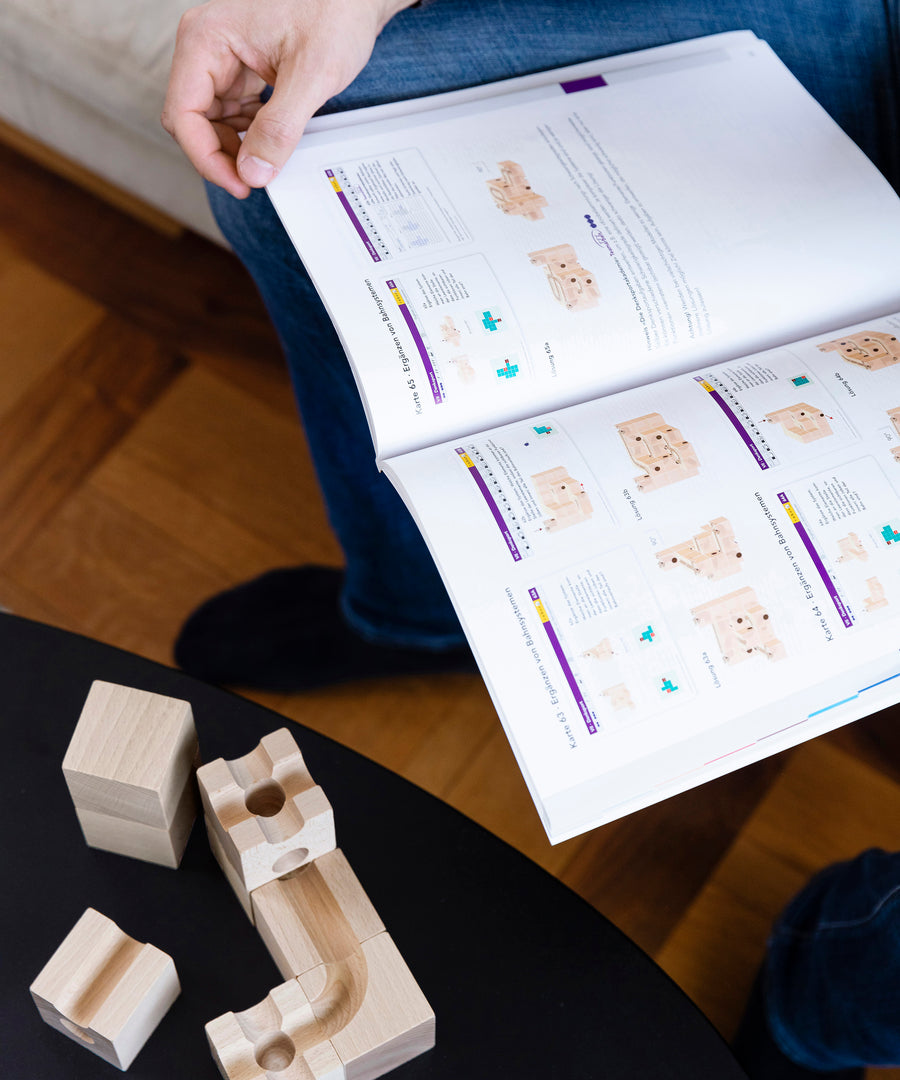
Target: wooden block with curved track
{"type": "Point", "coordinates": [353, 1019]}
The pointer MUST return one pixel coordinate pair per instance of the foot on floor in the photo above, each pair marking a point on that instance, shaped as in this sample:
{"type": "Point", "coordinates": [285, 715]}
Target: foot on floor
{"type": "Point", "coordinates": [761, 1057]}
{"type": "Point", "coordinates": [284, 632]}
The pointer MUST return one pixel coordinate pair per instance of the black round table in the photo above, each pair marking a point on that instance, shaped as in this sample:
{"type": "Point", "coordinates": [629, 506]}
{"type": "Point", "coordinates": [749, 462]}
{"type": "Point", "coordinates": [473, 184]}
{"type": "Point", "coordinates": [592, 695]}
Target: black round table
{"type": "Point", "coordinates": [526, 979]}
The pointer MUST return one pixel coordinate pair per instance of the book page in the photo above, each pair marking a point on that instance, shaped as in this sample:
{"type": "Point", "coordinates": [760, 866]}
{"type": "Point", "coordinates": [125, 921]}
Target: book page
{"type": "Point", "coordinates": [499, 256]}
{"type": "Point", "coordinates": [665, 584]}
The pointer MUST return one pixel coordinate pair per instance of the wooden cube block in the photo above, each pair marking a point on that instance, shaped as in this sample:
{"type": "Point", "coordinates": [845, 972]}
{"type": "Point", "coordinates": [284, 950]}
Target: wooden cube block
{"type": "Point", "coordinates": [317, 915]}
{"type": "Point", "coordinates": [376, 1016]}
{"type": "Point", "coordinates": [231, 875]}
{"type": "Point", "coordinates": [105, 990]}
{"type": "Point", "coordinates": [278, 1037]}
{"type": "Point", "coordinates": [163, 846]}
{"type": "Point", "coordinates": [267, 814]}
{"type": "Point", "coordinates": [129, 769]}
{"type": "Point", "coordinates": [356, 1019]}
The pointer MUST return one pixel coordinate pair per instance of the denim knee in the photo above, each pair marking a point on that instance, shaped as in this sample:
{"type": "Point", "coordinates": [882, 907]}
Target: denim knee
{"type": "Point", "coordinates": [833, 970]}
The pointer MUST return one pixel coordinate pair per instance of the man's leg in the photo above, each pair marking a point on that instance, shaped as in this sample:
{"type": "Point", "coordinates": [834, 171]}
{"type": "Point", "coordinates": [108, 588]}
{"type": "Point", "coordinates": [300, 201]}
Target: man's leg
{"type": "Point", "coordinates": [391, 594]}
{"type": "Point", "coordinates": [830, 986]}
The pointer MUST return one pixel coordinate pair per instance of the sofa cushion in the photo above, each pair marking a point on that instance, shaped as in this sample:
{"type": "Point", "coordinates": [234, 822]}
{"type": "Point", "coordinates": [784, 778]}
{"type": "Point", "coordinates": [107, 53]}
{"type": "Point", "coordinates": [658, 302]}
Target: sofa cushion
{"type": "Point", "coordinates": [112, 55]}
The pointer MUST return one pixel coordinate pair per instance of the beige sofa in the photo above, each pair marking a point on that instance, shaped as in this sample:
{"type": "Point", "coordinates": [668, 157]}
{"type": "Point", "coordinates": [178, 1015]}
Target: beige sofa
{"type": "Point", "coordinates": [87, 79]}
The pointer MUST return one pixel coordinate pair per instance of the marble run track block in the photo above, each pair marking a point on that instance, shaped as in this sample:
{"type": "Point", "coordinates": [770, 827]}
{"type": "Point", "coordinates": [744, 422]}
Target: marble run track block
{"type": "Point", "coordinates": [381, 1019]}
{"type": "Point", "coordinates": [265, 812]}
{"type": "Point", "coordinates": [319, 914]}
{"type": "Point", "coordinates": [129, 768]}
{"type": "Point", "coordinates": [105, 990]}
{"type": "Point", "coordinates": [352, 1020]}
{"type": "Point", "coordinates": [280, 1036]}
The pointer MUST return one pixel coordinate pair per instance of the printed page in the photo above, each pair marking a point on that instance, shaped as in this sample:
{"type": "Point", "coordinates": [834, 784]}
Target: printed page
{"type": "Point", "coordinates": [493, 258]}
{"type": "Point", "coordinates": [674, 581]}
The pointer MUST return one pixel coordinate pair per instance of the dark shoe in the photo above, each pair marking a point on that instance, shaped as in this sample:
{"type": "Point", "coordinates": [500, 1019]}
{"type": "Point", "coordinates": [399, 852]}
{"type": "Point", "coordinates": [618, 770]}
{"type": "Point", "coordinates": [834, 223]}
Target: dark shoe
{"type": "Point", "coordinates": [760, 1056]}
{"type": "Point", "coordinates": [284, 632]}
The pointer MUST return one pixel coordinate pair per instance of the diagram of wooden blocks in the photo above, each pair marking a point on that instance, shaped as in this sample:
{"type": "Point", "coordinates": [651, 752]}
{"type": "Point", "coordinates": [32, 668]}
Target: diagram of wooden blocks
{"type": "Point", "coordinates": [870, 349]}
{"type": "Point", "coordinates": [129, 768]}
{"type": "Point", "coordinates": [603, 650]}
{"type": "Point", "coordinates": [571, 285]}
{"type": "Point", "coordinates": [659, 449]}
{"type": "Point", "coordinates": [741, 625]}
{"type": "Point", "coordinates": [563, 496]}
{"type": "Point", "coordinates": [105, 990]}
{"type": "Point", "coordinates": [513, 195]}
{"type": "Point", "coordinates": [802, 422]}
{"type": "Point", "coordinates": [349, 1008]}
{"type": "Point", "coordinates": [619, 696]}
{"type": "Point", "coordinates": [712, 553]}
{"type": "Point", "coordinates": [450, 334]}
{"type": "Point", "coordinates": [851, 547]}
{"type": "Point", "coordinates": [876, 598]}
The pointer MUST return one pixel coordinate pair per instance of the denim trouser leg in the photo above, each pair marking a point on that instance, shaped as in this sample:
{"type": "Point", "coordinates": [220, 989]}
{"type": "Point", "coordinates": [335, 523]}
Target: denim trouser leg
{"type": "Point", "coordinates": [844, 54]}
{"type": "Point", "coordinates": [833, 967]}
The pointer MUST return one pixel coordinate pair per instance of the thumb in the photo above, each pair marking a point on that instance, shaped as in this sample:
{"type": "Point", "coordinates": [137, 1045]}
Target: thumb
{"type": "Point", "coordinates": [276, 129]}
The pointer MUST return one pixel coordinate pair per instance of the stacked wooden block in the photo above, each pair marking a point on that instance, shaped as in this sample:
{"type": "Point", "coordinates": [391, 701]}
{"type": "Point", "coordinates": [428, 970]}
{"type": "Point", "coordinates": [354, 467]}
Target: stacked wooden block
{"type": "Point", "coordinates": [349, 1008]}
{"type": "Point", "coordinates": [130, 768]}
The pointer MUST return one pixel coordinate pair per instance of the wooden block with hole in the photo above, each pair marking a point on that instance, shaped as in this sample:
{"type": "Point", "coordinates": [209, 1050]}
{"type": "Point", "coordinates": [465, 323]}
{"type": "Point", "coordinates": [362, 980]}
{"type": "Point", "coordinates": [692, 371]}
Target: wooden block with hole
{"type": "Point", "coordinates": [356, 1018]}
{"type": "Point", "coordinates": [265, 815]}
{"type": "Point", "coordinates": [105, 990]}
{"type": "Point", "coordinates": [280, 1036]}
{"type": "Point", "coordinates": [129, 768]}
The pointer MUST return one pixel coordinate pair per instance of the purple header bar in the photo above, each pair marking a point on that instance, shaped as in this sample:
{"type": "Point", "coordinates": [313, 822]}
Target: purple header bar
{"type": "Point", "coordinates": [736, 424]}
{"type": "Point", "coordinates": [421, 347]}
{"type": "Point", "coordinates": [830, 587]}
{"type": "Point", "coordinates": [590, 83]}
{"type": "Point", "coordinates": [492, 506]}
{"type": "Point", "coordinates": [586, 715]}
{"type": "Point", "coordinates": [357, 224]}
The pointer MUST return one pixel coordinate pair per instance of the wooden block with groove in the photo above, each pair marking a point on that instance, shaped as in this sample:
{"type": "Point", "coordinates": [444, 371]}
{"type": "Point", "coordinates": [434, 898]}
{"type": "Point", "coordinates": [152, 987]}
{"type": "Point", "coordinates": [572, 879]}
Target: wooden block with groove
{"type": "Point", "coordinates": [129, 768]}
{"type": "Point", "coordinates": [353, 1019]}
{"type": "Point", "coordinates": [267, 814]}
{"type": "Point", "coordinates": [279, 1036]}
{"type": "Point", "coordinates": [317, 915]}
{"type": "Point", "coordinates": [105, 990]}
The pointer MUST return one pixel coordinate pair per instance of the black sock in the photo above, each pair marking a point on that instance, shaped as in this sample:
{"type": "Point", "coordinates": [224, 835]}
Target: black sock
{"type": "Point", "coordinates": [284, 631]}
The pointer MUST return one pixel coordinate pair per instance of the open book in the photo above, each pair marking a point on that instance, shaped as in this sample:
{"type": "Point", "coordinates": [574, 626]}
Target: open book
{"type": "Point", "coordinates": [627, 340]}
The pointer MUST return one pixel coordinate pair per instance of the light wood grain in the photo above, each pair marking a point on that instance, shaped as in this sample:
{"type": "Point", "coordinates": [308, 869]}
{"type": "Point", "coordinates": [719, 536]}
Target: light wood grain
{"type": "Point", "coordinates": [131, 754]}
{"type": "Point", "coordinates": [267, 814]}
{"type": "Point", "coordinates": [105, 990]}
{"type": "Point", "coordinates": [164, 846]}
{"type": "Point", "coordinates": [317, 915]}
{"type": "Point", "coordinates": [280, 1036]}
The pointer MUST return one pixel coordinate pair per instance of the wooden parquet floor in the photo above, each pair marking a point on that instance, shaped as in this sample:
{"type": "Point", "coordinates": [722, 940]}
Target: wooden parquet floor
{"type": "Point", "coordinates": [150, 456]}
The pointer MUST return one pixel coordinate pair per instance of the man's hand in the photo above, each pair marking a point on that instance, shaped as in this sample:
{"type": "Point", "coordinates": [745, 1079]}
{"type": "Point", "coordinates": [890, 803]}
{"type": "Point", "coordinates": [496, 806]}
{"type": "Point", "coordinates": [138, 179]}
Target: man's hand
{"type": "Point", "coordinates": [227, 51]}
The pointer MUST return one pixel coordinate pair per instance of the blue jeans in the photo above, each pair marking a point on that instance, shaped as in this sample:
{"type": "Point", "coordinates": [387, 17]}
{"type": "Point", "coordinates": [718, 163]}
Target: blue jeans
{"type": "Point", "coordinates": [843, 52]}
{"type": "Point", "coordinates": [832, 977]}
